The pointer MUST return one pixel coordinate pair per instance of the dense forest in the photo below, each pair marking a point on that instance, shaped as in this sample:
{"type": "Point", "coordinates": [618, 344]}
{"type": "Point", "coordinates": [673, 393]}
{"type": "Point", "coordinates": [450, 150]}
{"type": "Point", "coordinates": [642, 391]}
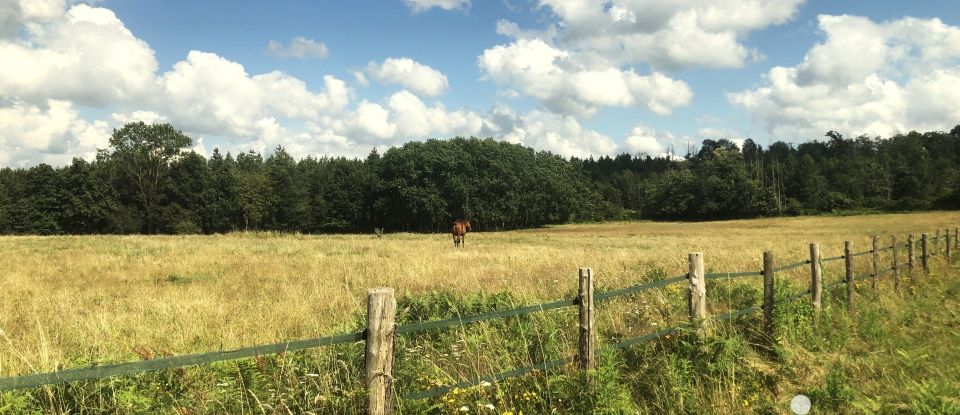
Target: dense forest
{"type": "Point", "coordinates": [149, 182]}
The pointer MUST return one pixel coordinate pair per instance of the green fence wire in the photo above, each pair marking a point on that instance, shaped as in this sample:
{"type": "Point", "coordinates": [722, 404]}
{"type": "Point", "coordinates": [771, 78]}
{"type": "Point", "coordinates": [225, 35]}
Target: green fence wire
{"type": "Point", "coordinates": [131, 368]}
{"type": "Point", "coordinates": [729, 275]}
{"type": "Point", "coordinates": [460, 321]}
{"type": "Point", "coordinates": [791, 266]}
{"type": "Point", "coordinates": [429, 393]}
{"type": "Point", "coordinates": [637, 288]}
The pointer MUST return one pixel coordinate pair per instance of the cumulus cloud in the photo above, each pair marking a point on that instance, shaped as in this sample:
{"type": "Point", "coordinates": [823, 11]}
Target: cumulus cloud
{"type": "Point", "coordinates": [543, 130]}
{"type": "Point", "coordinates": [537, 69]}
{"type": "Point", "coordinates": [666, 35]}
{"type": "Point", "coordinates": [420, 6]}
{"type": "Point", "coordinates": [644, 140]}
{"type": "Point", "coordinates": [413, 75]}
{"type": "Point", "coordinates": [207, 93]}
{"type": "Point", "coordinates": [147, 117]}
{"type": "Point", "coordinates": [52, 133]}
{"type": "Point", "coordinates": [85, 55]}
{"type": "Point", "coordinates": [587, 58]}
{"type": "Point", "coordinates": [864, 78]}
{"type": "Point", "coordinates": [299, 47]}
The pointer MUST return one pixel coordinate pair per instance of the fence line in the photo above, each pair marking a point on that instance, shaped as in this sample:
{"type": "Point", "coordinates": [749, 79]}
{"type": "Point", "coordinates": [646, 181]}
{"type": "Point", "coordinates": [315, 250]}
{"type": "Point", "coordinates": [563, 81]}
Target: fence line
{"type": "Point", "coordinates": [585, 300]}
{"type": "Point", "coordinates": [130, 368]}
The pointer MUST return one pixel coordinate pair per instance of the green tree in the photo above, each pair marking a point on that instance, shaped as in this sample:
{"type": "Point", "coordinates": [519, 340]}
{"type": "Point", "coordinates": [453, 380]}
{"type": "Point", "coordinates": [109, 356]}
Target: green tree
{"type": "Point", "coordinates": [287, 204]}
{"type": "Point", "coordinates": [251, 190]}
{"type": "Point", "coordinates": [90, 201]}
{"type": "Point", "coordinates": [143, 154]}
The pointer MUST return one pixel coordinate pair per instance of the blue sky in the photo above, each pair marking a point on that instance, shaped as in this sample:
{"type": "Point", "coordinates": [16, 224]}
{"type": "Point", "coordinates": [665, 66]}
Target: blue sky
{"type": "Point", "coordinates": [577, 77]}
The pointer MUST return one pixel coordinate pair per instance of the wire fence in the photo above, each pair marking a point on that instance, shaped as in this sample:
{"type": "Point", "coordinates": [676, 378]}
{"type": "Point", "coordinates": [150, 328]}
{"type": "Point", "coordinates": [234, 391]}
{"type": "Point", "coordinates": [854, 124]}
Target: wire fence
{"type": "Point", "coordinates": [130, 368]}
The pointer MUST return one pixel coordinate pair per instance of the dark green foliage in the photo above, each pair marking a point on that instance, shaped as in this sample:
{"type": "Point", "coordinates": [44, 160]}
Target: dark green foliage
{"type": "Point", "coordinates": [149, 182]}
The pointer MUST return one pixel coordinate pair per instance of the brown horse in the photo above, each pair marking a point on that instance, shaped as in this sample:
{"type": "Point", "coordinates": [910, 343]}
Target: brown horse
{"type": "Point", "coordinates": [459, 230]}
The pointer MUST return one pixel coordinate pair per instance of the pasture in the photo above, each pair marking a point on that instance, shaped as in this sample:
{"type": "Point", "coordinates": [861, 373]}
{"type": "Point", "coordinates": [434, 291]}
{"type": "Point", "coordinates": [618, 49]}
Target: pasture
{"type": "Point", "coordinates": [70, 301]}
{"type": "Point", "coordinates": [102, 297]}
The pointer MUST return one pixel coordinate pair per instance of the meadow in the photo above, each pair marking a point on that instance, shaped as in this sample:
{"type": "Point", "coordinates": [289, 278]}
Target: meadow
{"type": "Point", "coordinates": [70, 301]}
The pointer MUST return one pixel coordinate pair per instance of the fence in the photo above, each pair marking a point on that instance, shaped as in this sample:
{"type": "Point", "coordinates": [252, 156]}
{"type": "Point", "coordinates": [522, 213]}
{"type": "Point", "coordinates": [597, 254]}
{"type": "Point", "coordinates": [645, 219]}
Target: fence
{"type": "Point", "coordinates": [381, 313]}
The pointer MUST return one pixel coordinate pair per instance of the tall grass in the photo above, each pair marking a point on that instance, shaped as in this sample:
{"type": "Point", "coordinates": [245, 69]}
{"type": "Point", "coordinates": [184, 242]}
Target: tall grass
{"type": "Point", "coordinates": [82, 300]}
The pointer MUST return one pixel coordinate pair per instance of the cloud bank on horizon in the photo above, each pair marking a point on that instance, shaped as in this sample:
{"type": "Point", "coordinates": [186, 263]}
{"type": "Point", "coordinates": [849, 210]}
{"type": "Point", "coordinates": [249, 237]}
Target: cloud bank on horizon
{"type": "Point", "coordinates": [70, 72]}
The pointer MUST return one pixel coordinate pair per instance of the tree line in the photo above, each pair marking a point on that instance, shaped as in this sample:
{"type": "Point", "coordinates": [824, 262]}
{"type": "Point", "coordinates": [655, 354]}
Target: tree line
{"type": "Point", "coordinates": [148, 181]}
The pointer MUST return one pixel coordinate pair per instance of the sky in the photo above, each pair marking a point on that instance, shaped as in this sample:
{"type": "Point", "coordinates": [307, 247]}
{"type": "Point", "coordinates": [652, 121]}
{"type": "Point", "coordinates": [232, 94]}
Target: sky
{"type": "Point", "coordinates": [575, 77]}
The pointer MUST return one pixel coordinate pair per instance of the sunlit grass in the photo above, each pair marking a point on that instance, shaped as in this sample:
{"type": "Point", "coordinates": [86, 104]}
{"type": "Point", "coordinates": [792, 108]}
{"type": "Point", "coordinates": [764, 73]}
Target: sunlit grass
{"type": "Point", "coordinates": [74, 300]}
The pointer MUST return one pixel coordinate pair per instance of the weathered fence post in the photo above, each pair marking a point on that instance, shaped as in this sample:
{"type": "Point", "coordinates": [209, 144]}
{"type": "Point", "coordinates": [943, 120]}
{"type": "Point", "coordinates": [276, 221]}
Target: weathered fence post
{"type": "Point", "coordinates": [848, 261]}
{"type": "Point", "coordinates": [875, 263]}
{"type": "Point", "coordinates": [816, 277]}
{"type": "Point", "coordinates": [381, 315]}
{"type": "Point", "coordinates": [768, 265]}
{"type": "Point", "coordinates": [910, 246]}
{"type": "Point", "coordinates": [956, 238]}
{"type": "Point", "coordinates": [585, 351]}
{"type": "Point", "coordinates": [697, 299]}
{"type": "Point", "coordinates": [936, 244]}
{"type": "Point", "coordinates": [923, 253]}
{"type": "Point", "coordinates": [946, 238]}
{"type": "Point", "coordinates": [896, 266]}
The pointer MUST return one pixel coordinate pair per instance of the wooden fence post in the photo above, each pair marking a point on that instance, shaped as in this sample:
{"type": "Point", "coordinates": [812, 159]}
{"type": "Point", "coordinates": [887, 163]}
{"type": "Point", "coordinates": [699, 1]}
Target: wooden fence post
{"type": "Point", "coordinates": [896, 266]}
{"type": "Point", "coordinates": [585, 358]}
{"type": "Point", "coordinates": [923, 253]}
{"type": "Point", "coordinates": [946, 238]}
{"type": "Point", "coordinates": [816, 277]}
{"type": "Point", "coordinates": [768, 265]}
{"type": "Point", "coordinates": [956, 238]}
{"type": "Point", "coordinates": [848, 261]}
{"type": "Point", "coordinates": [381, 316]}
{"type": "Point", "coordinates": [936, 244]}
{"type": "Point", "coordinates": [910, 245]}
{"type": "Point", "coordinates": [697, 299]}
{"type": "Point", "coordinates": [875, 263]}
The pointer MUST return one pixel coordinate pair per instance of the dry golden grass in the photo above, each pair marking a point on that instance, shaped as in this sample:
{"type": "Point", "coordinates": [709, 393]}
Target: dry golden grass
{"type": "Point", "coordinates": [72, 300]}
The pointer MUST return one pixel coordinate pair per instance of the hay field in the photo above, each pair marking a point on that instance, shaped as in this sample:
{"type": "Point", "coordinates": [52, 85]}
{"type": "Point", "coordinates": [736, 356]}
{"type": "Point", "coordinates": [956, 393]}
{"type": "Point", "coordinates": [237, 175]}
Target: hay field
{"type": "Point", "coordinates": [73, 300]}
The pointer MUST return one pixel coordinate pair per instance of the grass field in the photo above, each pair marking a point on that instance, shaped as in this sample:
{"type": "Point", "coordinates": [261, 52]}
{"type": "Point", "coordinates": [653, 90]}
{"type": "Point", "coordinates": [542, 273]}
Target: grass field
{"type": "Point", "coordinates": [74, 300]}
{"type": "Point", "coordinates": [99, 298]}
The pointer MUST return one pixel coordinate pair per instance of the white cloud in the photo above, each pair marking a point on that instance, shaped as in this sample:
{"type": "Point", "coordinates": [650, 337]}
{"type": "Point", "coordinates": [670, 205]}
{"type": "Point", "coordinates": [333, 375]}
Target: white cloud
{"type": "Point", "coordinates": [209, 94]}
{"type": "Point", "coordinates": [537, 69]}
{"type": "Point", "coordinates": [147, 117]}
{"type": "Point", "coordinates": [865, 78]}
{"type": "Point", "coordinates": [360, 78]}
{"type": "Point", "coordinates": [299, 47]}
{"type": "Point", "coordinates": [420, 6]}
{"type": "Point", "coordinates": [645, 140]}
{"type": "Point", "coordinates": [86, 56]}
{"type": "Point", "coordinates": [51, 133]}
{"type": "Point", "coordinates": [511, 29]}
{"type": "Point", "coordinates": [413, 75]}
{"type": "Point", "coordinates": [715, 133]}
{"type": "Point", "coordinates": [16, 14]}
{"type": "Point", "coordinates": [669, 35]}
{"type": "Point", "coordinates": [542, 130]}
